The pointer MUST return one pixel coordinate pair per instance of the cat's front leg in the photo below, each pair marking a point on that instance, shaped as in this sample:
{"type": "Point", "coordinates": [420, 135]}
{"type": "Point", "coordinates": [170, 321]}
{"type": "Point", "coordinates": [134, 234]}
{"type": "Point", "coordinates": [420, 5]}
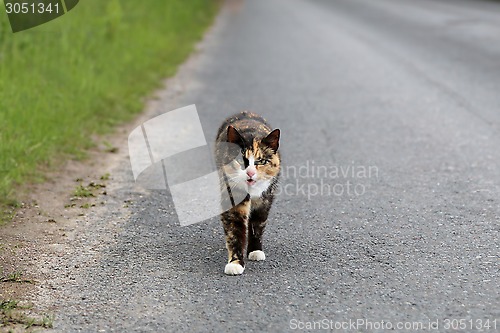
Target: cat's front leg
{"type": "Point", "coordinates": [235, 222]}
{"type": "Point", "coordinates": [256, 225]}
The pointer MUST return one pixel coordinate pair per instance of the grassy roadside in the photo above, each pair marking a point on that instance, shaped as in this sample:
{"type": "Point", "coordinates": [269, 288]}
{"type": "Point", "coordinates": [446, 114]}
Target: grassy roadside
{"type": "Point", "coordinates": [83, 73]}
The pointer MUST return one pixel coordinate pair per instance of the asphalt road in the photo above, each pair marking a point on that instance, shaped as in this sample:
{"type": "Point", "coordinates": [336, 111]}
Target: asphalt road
{"type": "Point", "coordinates": [405, 94]}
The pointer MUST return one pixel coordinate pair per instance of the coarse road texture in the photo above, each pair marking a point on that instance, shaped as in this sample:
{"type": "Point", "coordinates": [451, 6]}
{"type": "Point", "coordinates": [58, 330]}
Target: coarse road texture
{"type": "Point", "coordinates": [405, 94]}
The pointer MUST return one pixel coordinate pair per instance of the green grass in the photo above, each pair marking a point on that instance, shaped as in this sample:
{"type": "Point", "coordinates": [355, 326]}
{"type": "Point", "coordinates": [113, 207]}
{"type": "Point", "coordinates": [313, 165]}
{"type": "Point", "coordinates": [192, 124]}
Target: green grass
{"type": "Point", "coordinates": [82, 74]}
{"type": "Point", "coordinates": [11, 314]}
{"type": "Point", "coordinates": [15, 277]}
{"type": "Point", "coordinates": [83, 192]}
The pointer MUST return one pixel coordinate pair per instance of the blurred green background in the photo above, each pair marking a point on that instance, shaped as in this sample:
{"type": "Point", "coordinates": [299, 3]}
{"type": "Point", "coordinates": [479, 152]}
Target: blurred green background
{"type": "Point", "coordinates": [83, 73]}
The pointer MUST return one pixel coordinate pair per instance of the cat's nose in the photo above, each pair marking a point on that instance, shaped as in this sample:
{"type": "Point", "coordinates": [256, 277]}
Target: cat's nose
{"type": "Point", "coordinates": [251, 172]}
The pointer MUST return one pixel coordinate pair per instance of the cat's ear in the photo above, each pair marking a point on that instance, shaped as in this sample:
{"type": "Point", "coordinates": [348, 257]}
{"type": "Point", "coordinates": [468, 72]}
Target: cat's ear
{"type": "Point", "coordinates": [272, 140]}
{"type": "Point", "coordinates": [234, 137]}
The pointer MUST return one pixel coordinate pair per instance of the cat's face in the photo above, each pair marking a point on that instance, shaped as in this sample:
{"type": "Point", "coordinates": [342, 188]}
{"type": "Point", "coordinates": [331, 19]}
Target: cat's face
{"type": "Point", "coordinates": [256, 165]}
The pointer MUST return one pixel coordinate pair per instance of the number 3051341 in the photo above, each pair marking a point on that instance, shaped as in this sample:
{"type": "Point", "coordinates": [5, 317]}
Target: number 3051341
{"type": "Point", "coordinates": [31, 8]}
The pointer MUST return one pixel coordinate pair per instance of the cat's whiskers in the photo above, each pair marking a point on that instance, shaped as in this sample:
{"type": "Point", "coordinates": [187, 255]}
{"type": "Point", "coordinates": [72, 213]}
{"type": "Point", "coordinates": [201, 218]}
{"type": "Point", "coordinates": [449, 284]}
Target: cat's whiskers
{"type": "Point", "coordinates": [232, 178]}
{"type": "Point", "coordinates": [233, 181]}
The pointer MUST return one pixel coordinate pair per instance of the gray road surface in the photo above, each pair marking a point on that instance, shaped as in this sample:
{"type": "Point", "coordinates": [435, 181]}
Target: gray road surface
{"type": "Point", "coordinates": [404, 93]}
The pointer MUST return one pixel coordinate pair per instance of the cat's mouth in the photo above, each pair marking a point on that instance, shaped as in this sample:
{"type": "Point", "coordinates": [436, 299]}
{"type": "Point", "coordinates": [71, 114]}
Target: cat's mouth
{"type": "Point", "coordinates": [251, 182]}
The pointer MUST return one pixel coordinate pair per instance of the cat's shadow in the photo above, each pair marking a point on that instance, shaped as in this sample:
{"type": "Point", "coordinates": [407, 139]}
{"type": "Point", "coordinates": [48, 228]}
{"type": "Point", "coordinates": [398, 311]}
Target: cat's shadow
{"type": "Point", "coordinates": [195, 249]}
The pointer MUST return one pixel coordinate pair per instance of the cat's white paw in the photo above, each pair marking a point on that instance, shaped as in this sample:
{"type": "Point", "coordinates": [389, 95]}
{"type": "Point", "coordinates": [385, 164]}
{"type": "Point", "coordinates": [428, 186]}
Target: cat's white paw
{"type": "Point", "coordinates": [257, 255]}
{"type": "Point", "coordinates": [234, 269]}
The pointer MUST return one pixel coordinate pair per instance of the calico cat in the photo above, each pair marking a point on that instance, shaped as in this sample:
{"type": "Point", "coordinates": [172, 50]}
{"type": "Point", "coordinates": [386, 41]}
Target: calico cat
{"type": "Point", "coordinates": [249, 170]}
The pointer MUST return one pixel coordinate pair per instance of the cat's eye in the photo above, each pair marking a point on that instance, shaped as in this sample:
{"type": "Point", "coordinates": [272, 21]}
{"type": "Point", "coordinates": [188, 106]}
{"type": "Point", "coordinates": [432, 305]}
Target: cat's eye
{"type": "Point", "coordinates": [261, 161]}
